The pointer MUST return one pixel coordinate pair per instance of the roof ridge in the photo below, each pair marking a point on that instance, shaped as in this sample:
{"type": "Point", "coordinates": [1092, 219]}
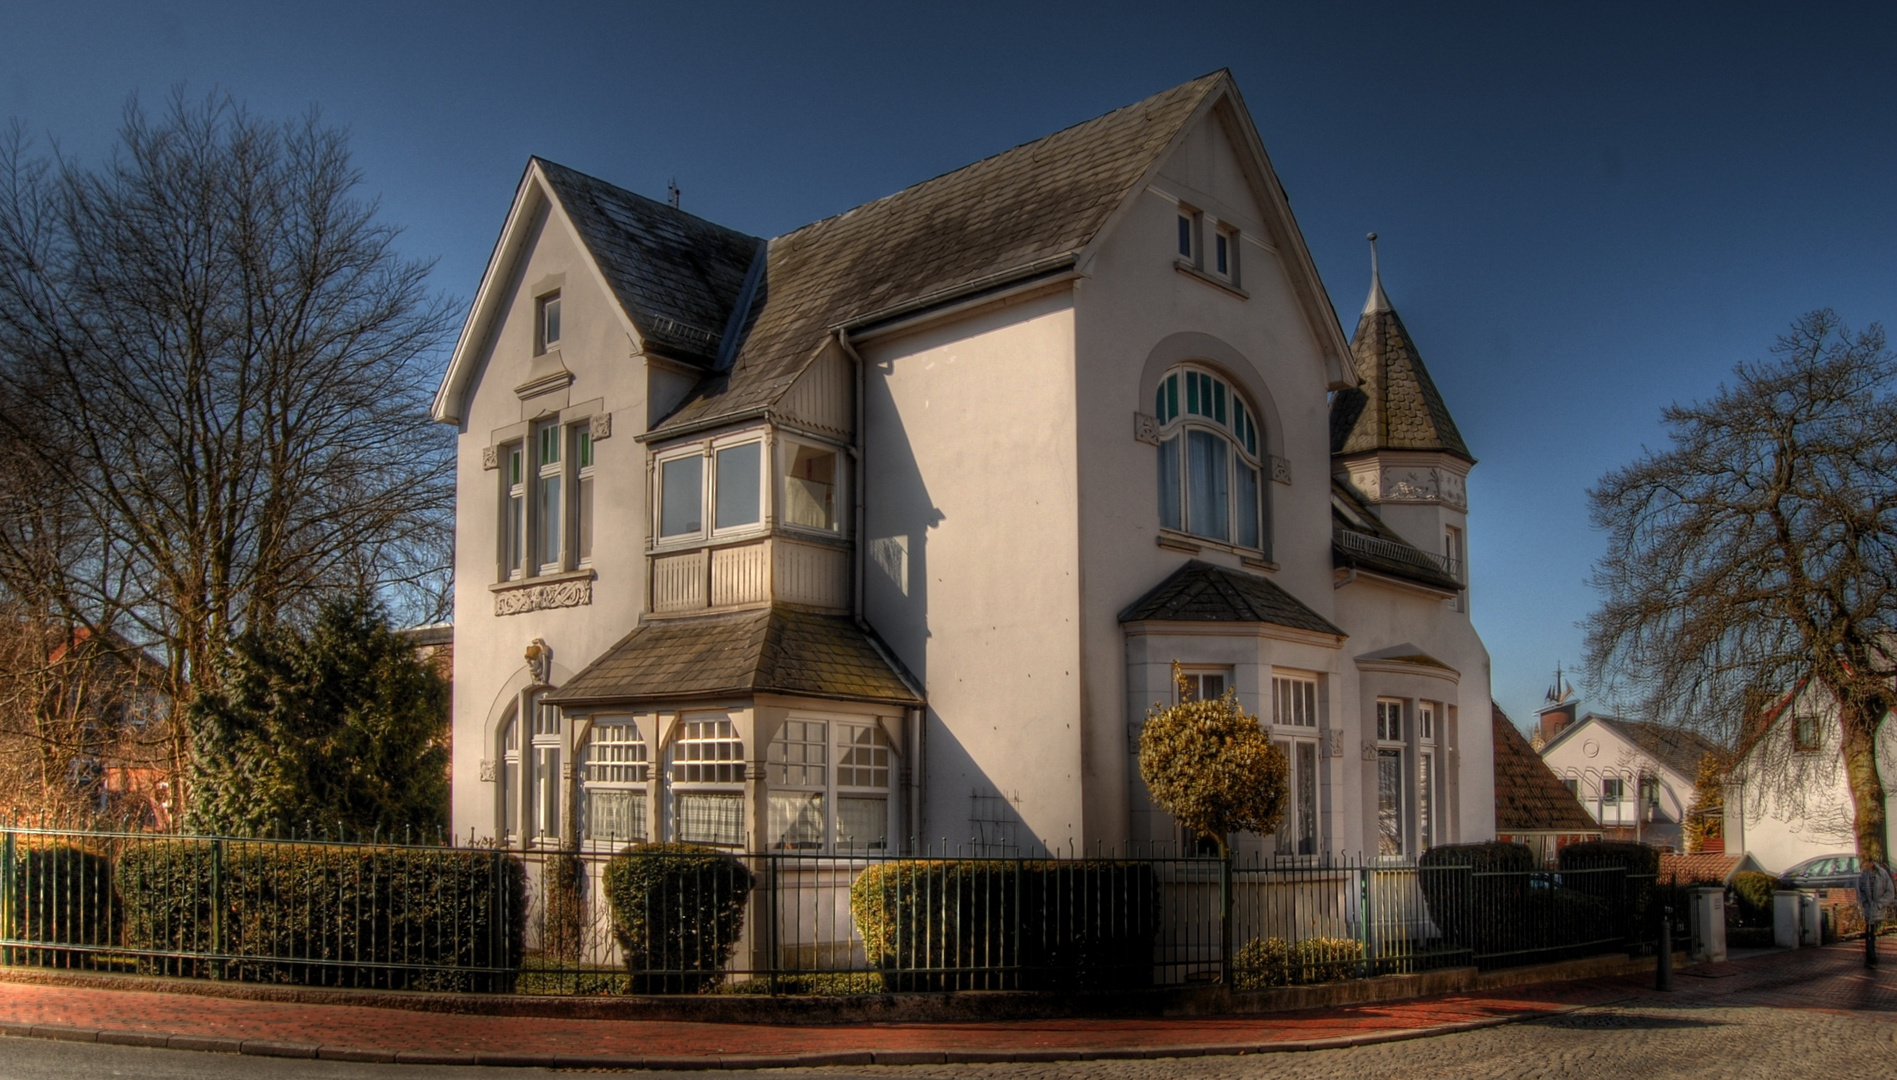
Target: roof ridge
{"type": "Point", "coordinates": [660, 203]}
{"type": "Point", "coordinates": [1101, 118]}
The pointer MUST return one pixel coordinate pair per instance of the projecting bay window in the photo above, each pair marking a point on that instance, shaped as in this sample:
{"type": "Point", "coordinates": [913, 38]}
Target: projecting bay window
{"type": "Point", "coordinates": [614, 771]}
{"type": "Point", "coordinates": [1294, 730]}
{"type": "Point", "coordinates": [829, 787]}
{"type": "Point", "coordinates": [1391, 789]}
{"type": "Point", "coordinates": [810, 487]}
{"type": "Point", "coordinates": [710, 490]}
{"type": "Point", "coordinates": [1211, 475]}
{"type": "Point", "coordinates": [707, 781]}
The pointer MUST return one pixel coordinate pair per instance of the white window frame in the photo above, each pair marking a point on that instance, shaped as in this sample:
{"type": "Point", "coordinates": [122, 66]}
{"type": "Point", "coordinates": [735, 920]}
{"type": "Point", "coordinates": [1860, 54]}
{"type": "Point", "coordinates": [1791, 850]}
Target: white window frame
{"type": "Point", "coordinates": [582, 496]}
{"type": "Point", "coordinates": [788, 445]}
{"type": "Point", "coordinates": [1455, 553]}
{"type": "Point", "coordinates": [548, 433]}
{"type": "Point", "coordinates": [542, 782]}
{"type": "Point", "coordinates": [1392, 721]}
{"type": "Point", "coordinates": [691, 773]}
{"type": "Point", "coordinates": [515, 510]}
{"type": "Point", "coordinates": [713, 479]}
{"type": "Point", "coordinates": [1246, 451]}
{"type": "Point", "coordinates": [708, 479]}
{"type": "Point", "coordinates": [1296, 720]}
{"type": "Point", "coordinates": [1224, 245]}
{"type": "Point", "coordinates": [1192, 222]}
{"type": "Point", "coordinates": [831, 776]}
{"type": "Point", "coordinates": [545, 342]}
{"type": "Point", "coordinates": [1198, 673]}
{"type": "Point", "coordinates": [625, 768]}
{"type": "Point", "coordinates": [508, 778]}
{"type": "Point", "coordinates": [1428, 782]}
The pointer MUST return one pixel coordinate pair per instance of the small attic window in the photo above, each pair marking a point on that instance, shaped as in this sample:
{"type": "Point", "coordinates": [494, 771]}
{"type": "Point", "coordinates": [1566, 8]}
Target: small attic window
{"type": "Point", "coordinates": [547, 323]}
{"type": "Point", "coordinates": [1188, 234]}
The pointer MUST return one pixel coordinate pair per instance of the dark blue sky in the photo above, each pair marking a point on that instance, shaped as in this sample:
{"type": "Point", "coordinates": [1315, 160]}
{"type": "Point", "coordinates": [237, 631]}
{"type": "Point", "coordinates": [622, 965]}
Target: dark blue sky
{"type": "Point", "coordinates": [1584, 216]}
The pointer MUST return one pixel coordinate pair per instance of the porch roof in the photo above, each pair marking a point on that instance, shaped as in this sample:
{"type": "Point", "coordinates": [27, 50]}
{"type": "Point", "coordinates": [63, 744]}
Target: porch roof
{"type": "Point", "coordinates": [1201, 592]}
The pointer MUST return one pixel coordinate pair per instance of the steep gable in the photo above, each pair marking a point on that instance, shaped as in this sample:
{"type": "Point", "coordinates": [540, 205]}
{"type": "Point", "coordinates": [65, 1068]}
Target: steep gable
{"type": "Point", "coordinates": [1529, 797]}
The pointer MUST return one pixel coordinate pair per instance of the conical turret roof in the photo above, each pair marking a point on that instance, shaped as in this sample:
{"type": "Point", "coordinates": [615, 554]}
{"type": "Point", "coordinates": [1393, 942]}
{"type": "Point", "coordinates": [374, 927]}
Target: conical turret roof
{"type": "Point", "coordinates": [1397, 405]}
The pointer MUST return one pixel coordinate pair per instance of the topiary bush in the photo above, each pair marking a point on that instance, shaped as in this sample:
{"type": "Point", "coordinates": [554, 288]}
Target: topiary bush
{"type": "Point", "coordinates": [1266, 962]}
{"type": "Point", "coordinates": [63, 897]}
{"type": "Point", "coordinates": [1752, 899]}
{"type": "Point", "coordinates": [321, 915]}
{"type": "Point", "coordinates": [678, 911]}
{"type": "Point", "coordinates": [1474, 891]}
{"type": "Point", "coordinates": [1042, 924]}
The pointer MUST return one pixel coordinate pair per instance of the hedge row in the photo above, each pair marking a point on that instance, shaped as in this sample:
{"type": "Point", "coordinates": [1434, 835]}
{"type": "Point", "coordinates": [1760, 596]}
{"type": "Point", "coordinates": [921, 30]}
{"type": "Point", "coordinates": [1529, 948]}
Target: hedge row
{"type": "Point", "coordinates": [383, 918]}
{"type": "Point", "coordinates": [1033, 925]}
{"type": "Point", "coordinates": [62, 896]}
{"type": "Point", "coordinates": [1266, 962]}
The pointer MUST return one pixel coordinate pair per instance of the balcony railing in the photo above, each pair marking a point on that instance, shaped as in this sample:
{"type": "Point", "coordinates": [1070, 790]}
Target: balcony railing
{"type": "Point", "coordinates": [1400, 552]}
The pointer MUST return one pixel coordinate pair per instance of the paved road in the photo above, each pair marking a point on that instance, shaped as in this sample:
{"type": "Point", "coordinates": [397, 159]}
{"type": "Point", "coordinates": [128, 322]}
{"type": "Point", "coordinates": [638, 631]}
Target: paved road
{"type": "Point", "coordinates": [1646, 1038]}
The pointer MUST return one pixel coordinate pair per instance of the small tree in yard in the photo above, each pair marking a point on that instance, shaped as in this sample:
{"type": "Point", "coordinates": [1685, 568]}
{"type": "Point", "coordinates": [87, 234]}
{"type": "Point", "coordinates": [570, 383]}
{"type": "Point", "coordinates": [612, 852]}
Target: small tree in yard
{"type": "Point", "coordinates": [1212, 767]}
{"type": "Point", "coordinates": [344, 727]}
{"type": "Point", "coordinates": [1705, 819]}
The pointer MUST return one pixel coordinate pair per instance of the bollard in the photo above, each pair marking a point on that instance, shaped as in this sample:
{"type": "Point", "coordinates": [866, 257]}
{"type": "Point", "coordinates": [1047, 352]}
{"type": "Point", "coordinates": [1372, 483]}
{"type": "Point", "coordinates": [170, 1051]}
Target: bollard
{"type": "Point", "coordinates": [1663, 970]}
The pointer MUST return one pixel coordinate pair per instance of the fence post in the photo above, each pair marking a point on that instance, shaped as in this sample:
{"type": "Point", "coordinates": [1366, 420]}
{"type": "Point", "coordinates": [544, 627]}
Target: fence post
{"type": "Point", "coordinates": [217, 907]}
{"type": "Point", "coordinates": [1225, 915]}
{"type": "Point", "coordinates": [7, 885]}
{"type": "Point", "coordinates": [1363, 920]}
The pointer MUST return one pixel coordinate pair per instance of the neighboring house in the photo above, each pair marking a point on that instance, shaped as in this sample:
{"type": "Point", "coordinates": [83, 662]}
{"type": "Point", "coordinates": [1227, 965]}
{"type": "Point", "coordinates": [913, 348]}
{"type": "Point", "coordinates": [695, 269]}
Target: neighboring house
{"type": "Point", "coordinates": [1704, 868]}
{"type": "Point", "coordinates": [887, 531]}
{"type": "Point", "coordinates": [1635, 778]}
{"type": "Point", "coordinates": [1532, 805]}
{"type": "Point", "coordinates": [1787, 799]}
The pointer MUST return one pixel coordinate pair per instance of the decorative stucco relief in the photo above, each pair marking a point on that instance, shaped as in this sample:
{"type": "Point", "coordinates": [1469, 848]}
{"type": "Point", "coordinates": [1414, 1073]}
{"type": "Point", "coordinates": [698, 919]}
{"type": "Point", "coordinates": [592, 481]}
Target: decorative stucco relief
{"type": "Point", "coordinates": [490, 457]}
{"type": "Point", "coordinates": [1411, 484]}
{"type": "Point", "coordinates": [487, 770]}
{"type": "Point", "coordinates": [1280, 469]}
{"type": "Point", "coordinates": [601, 426]}
{"type": "Point", "coordinates": [557, 594]}
{"type": "Point", "coordinates": [1146, 428]}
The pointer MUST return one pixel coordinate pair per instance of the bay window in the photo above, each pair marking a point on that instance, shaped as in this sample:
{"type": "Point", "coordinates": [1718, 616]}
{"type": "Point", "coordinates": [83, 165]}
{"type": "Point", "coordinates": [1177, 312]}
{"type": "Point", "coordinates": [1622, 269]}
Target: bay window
{"type": "Point", "coordinates": [829, 786]}
{"type": "Point", "coordinates": [810, 487]}
{"type": "Point", "coordinates": [1426, 799]}
{"type": "Point", "coordinates": [710, 489]}
{"type": "Point", "coordinates": [614, 772]}
{"type": "Point", "coordinates": [740, 482]}
{"type": "Point", "coordinates": [1391, 789]}
{"type": "Point", "coordinates": [707, 774]}
{"type": "Point", "coordinates": [1210, 471]}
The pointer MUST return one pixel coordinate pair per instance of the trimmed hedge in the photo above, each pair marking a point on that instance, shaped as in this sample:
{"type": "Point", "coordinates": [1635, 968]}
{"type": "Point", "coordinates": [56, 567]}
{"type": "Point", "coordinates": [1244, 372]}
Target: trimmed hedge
{"type": "Point", "coordinates": [62, 896]}
{"type": "Point", "coordinates": [1267, 962]}
{"type": "Point", "coordinates": [315, 915]}
{"type": "Point", "coordinates": [678, 911]}
{"type": "Point", "coordinates": [1635, 890]}
{"type": "Point", "coordinates": [1468, 906]}
{"type": "Point", "coordinates": [933, 925]}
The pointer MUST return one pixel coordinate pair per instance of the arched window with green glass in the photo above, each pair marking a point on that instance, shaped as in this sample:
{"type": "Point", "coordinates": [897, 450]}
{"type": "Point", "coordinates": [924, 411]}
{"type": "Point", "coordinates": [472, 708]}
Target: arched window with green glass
{"type": "Point", "coordinates": [1211, 473]}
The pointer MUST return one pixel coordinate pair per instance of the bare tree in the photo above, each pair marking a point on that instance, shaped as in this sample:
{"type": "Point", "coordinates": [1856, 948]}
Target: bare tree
{"type": "Point", "coordinates": [214, 371]}
{"type": "Point", "coordinates": [1757, 553]}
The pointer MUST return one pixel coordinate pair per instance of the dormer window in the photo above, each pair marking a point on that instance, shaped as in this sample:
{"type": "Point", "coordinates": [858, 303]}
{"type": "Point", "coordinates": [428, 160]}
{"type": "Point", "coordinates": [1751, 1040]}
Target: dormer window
{"type": "Point", "coordinates": [1210, 472]}
{"type": "Point", "coordinates": [547, 323]}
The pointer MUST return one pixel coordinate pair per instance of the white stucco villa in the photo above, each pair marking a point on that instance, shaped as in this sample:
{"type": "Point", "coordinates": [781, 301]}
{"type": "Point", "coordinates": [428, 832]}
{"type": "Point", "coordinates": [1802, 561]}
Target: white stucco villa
{"type": "Point", "coordinates": [886, 531]}
{"type": "Point", "coordinates": [1635, 778]}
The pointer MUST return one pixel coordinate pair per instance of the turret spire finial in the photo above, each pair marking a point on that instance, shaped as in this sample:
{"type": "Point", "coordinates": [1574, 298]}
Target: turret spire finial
{"type": "Point", "coordinates": [1377, 301]}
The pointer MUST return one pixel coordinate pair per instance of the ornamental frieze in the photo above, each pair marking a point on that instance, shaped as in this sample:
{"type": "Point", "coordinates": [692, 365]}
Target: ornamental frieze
{"type": "Point", "coordinates": [553, 594]}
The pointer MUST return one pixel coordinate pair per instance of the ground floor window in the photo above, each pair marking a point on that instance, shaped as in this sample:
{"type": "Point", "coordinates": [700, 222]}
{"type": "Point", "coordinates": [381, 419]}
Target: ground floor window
{"type": "Point", "coordinates": [614, 772]}
{"type": "Point", "coordinates": [1298, 834]}
{"type": "Point", "coordinates": [829, 786]}
{"type": "Point", "coordinates": [707, 773]}
{"type": "Point", "coordinates": [1389, 801]}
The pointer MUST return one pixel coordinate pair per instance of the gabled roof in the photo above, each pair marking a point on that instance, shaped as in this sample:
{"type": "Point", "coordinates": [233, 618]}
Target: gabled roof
{"type": "Point", "coordinates": [1674, 748]}
{"type": "Point", "coordinates": [1529, 797]}
{"type": "Point", "coordinates": [676, 275]}
{"type": "Point", "coordinates": [779, 650]}
{"type": "Point", "coordinates": [1396, 405]}
{"type": "Point", "coordinates": [1034, 206]}
{"type": "Point", "coordinates": [694, 291]}
{"type": "Point", "coordinates": [1201, 592]}
{"type": "Point", "coordinates": [1360, 539]}
{"type": "Point", "coordinates": [1702, 868]}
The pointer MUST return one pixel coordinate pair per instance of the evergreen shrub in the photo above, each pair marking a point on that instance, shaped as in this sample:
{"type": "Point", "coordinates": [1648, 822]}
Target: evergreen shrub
{"type": "Point", "coordinates": [62, 896]}
{"type": "Point", "coordinates": [1636, 891]}
{"type": "Point", "coordinates": [1752, 898]}
{"type": "Point", "coordinates": [933, 925]}
{"type": "Point", "coordinates": [323, 915]}
{"type": "Point", "coordinates": [1476, 892]}
{"type": "Point", "coordinates": [678, 911]}
{"type": "Point", "coordinates": [1267, 962]}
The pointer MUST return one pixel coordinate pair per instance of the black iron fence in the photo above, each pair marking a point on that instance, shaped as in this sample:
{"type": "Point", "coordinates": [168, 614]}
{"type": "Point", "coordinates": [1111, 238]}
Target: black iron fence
{"type": "Point", "coordinates": [671, 919]}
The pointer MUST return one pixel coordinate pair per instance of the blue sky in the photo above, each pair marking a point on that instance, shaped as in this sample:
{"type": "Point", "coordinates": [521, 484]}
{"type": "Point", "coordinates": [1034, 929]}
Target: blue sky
{"type": "Point", "coordinates": [1584, 216]}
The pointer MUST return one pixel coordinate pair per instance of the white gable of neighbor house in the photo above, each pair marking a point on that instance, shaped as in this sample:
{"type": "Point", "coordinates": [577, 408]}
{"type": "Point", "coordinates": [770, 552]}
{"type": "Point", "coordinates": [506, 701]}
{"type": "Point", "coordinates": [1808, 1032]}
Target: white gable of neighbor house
{"type": "Point", "coordinates": [1591, 751]}
{"type": "Point", "coordinates": [1785, 805]}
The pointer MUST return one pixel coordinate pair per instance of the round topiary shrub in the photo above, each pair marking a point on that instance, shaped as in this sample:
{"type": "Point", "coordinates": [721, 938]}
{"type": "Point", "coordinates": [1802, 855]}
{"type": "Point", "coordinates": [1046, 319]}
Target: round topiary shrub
{"type": "Point", "coordinates": [678, 910]}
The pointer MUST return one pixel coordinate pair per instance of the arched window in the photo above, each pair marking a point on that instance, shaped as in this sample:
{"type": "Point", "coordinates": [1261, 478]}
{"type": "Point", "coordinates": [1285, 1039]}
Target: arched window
{"type": "Point", "coordinates": [1210, 472]}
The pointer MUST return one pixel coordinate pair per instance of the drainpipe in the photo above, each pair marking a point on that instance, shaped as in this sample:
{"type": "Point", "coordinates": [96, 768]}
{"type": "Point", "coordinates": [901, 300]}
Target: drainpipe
{"type": "Point", "coordinates": [859, 548]}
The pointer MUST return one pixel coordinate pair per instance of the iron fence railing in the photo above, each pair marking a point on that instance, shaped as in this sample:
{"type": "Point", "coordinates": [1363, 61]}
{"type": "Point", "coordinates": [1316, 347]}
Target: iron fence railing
{"type": "Point", "coordinates": [318, 911]}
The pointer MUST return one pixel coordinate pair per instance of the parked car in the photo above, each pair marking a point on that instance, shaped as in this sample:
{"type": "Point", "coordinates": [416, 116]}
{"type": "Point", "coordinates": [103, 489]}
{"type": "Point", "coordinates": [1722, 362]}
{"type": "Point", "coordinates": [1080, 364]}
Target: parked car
{"type": "Point", "coordinates": [1824, 872]}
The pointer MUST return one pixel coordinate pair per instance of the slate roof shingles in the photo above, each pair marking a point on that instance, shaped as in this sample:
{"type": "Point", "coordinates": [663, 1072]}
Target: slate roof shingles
{"type": "Point", "coordinates": [1396, 406]}
{"type": "Point", "coordinates": [1673, 747]}
{"type": "Point", "coordinates": [1201, 592]}
{"type": "Point", "coordinates": [778, 649]}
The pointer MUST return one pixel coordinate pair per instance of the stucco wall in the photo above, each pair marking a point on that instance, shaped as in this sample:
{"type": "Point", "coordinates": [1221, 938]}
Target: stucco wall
{"type": "Point", "coordinates": [973, 572]}
{"type": "Point", "coordinates": [1785, 806]}
{"type": "Point", "coordinates": [596, 347]}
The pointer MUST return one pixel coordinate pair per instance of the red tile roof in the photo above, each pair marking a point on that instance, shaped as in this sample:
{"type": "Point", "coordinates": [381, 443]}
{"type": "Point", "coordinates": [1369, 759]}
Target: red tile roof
{"type": "Point", "coordinates": [1529, 797]}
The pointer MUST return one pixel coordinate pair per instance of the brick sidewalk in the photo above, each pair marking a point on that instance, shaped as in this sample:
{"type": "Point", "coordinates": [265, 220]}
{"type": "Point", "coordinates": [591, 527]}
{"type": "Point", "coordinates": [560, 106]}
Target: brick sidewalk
{"type": "Point", "coordinates": [1829, 979]}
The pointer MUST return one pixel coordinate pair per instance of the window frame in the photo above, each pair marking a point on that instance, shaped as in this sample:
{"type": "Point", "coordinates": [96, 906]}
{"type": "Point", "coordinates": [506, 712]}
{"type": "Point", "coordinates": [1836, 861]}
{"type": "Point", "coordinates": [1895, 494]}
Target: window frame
{"type": "Point", "coordinates": [508, 777]}
{"type": "Point", "coordinates": [1225, 250]}
{"type": "Point", "coordinates": [582, 498]}
{"type": "Point", "coordinates": [588, 771]}
{"type": "Point", "coordinates": [544, 434]}
{"type": "Point", "coordinates": [1192, 233]}
{"type": "Point", "coordinates": [1296, 727]}
{"type": "Point", "coordinates": [1234, 420]}
{"type": "Point", "coordinates": [1807, 739]}
{"type": "Point", "coordinates": [1198, 673]}
{"type": "Point", "coordinates": [515, 513]}
{"type": "Point", "coordinates": [788, 447]}
{"type": "Point", "coordinates": [708, 531]}
{"type": "Point", "coordinates": [714, 481]}
{"type": "Point", "coordinates": [688, 732]}
{"type": "Point", "coordinates": [1392, 725]}
{"type": "Point", "coordinates": [545, 342]}
{"type": "Point", "coordinates": [543, 751]}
